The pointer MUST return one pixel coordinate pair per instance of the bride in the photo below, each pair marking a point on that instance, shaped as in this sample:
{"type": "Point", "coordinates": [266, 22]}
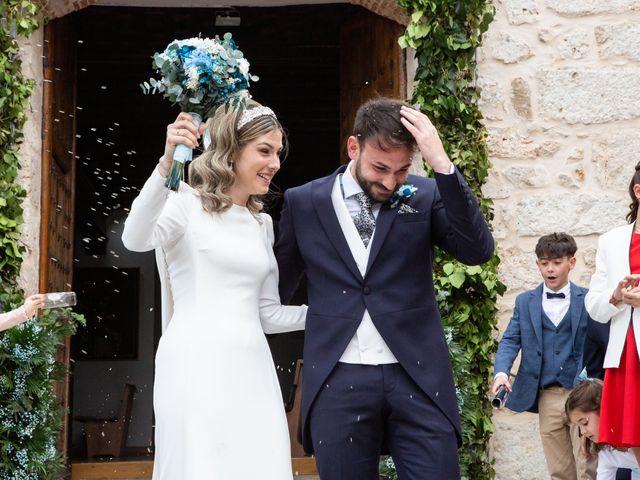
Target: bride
{"type": "Point", "coordinates": [218, 407]}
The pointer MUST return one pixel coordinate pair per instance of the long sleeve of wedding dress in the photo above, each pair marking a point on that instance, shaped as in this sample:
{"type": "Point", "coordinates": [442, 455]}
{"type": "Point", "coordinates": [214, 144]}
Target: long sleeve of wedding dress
{"type": "Point", "coordinates": [157, 217]}
{"type": "Point", "coordinates": [12, 318]}
{"type": "Point", "coordinates": [275, 317]}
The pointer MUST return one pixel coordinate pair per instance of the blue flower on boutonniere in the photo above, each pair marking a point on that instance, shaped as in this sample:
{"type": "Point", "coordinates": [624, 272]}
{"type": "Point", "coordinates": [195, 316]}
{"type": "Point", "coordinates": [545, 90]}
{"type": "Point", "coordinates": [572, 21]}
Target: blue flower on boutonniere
{"type": "Point", "coordinates": [402, 194]}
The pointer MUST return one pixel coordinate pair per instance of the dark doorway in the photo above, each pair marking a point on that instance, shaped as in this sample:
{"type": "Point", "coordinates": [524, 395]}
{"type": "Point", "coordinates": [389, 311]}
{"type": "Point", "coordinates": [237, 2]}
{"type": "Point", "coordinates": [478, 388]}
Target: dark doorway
{"type": "Point", "coordinates": [120, 132]}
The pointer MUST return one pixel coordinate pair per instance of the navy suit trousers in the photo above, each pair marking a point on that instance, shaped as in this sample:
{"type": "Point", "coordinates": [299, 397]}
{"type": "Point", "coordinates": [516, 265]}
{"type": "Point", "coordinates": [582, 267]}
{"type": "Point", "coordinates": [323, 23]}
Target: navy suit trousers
{"type": "Point", "coordinates": [363, 409]}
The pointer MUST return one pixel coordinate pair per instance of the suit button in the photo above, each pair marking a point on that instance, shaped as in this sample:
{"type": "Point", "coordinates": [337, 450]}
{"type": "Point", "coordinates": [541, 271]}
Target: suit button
{"type": "Point", "coordinates": [366, 290]}
{"type": "Point", "coordinates": [557, 352]}
{"type": "Point", "coordinates": [539, 354]}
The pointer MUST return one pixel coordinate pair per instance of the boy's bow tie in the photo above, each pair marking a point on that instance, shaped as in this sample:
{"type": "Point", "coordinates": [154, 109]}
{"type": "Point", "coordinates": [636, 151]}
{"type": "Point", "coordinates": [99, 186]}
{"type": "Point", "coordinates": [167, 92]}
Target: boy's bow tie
{"type": "Point", "coordinates": [555, 295]}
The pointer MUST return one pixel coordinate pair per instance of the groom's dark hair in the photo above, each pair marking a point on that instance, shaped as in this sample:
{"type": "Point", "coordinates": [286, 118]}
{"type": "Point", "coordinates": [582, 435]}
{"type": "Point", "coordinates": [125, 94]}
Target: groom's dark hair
{"type": "Point", "coordinates": [379, 120]}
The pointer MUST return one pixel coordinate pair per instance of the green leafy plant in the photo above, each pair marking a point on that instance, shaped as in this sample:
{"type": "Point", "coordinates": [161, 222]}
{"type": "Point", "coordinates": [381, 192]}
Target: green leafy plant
{"type": "Point", "coordinates": [445, 35]}
{"type": "Point", "coordinates": [17, 17]}
{"type": "Point", "coordinates": [30, 416]}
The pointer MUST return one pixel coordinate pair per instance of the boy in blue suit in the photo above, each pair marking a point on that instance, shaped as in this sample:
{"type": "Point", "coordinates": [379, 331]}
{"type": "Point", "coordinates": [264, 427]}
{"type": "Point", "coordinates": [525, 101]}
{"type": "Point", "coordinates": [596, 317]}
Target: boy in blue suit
{"type": "Point", "coordinates": [548, 327]}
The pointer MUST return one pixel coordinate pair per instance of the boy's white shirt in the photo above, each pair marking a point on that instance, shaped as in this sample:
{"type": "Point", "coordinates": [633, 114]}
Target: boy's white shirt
{"type": "Point", "coordinates": [556, 308]}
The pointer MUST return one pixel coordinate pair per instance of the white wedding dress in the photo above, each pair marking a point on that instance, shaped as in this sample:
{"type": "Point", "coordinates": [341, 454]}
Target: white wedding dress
{"type": "Point", "coordinates": [218, 407]}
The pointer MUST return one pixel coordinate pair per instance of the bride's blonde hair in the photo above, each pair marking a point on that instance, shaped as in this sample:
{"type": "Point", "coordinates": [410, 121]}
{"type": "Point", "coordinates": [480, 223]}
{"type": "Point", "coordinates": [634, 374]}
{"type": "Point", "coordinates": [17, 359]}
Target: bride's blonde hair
{"type": "Point", "coordinates": [211, 174]}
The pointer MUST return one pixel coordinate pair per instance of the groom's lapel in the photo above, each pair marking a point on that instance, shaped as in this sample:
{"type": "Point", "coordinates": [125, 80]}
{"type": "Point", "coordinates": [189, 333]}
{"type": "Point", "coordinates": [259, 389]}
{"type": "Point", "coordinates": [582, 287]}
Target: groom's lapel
{"type": "Point", "coordinates": [321, 196]}
{"type": "Point", "coordinates": [385, 219]}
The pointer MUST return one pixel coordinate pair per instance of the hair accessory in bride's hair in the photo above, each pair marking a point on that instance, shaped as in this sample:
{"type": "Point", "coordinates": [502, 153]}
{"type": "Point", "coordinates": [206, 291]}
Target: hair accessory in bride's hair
{"type": "Point", "coordinates": [250, 114]}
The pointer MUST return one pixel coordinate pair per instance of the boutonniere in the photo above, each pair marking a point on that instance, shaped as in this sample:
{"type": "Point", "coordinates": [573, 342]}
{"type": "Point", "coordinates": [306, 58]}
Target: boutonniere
{"type": "Point", "coordinates": [402, 195]}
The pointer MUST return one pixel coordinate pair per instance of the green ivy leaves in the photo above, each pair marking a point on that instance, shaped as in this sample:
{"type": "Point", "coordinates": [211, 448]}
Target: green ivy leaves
{"type": "Point", "coordinates": [19, 18]}
{"type": "Point", "coordinates": [445, 35]}
{"type": "Point", "coordinates": [454, 274]}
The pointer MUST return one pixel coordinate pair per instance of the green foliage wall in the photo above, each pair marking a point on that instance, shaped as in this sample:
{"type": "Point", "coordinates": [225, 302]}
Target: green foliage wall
{"type": "Point", "coordinates": [17, 17]}
{"type": "Point", "coordinates": [30, 419]}
{"type": "Point", "coordinates": [445, 35]}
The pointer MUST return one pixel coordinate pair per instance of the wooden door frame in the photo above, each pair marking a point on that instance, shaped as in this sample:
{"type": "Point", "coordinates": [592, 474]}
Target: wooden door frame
{"type": "Point", "coordinates": [376, 82]}
{"type": "Point", "coordinates": [52, 35]}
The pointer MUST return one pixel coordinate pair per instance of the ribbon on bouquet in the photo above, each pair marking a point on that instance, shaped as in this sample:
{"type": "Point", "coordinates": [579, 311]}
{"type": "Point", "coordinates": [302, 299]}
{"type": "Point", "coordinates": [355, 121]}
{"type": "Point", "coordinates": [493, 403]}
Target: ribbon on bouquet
{"type": "Point", "coordinates": [181, 155]}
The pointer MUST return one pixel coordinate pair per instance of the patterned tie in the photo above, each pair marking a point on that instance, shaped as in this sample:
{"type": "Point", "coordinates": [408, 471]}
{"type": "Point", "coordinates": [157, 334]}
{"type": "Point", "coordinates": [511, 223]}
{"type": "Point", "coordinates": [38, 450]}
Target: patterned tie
{"type": "Point", "coordinates": [364, 220]}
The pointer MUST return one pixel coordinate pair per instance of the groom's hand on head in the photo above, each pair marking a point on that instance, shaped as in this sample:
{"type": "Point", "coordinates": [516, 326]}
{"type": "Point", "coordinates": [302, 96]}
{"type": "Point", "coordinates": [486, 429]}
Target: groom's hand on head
{"type": "Point", "coordinates": [427, 139]}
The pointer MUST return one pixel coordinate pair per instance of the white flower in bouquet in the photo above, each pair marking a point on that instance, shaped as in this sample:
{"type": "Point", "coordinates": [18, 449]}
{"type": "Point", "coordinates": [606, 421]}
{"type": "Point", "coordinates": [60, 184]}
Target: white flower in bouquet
{"type": "Point", "coordinates": [192, 82]}
{"type": "Point", "coordinates": [243, 65]}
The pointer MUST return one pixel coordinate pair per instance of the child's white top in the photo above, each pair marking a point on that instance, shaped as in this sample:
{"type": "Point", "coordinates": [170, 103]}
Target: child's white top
{"type": "Point", "coordinates": [609, 461]}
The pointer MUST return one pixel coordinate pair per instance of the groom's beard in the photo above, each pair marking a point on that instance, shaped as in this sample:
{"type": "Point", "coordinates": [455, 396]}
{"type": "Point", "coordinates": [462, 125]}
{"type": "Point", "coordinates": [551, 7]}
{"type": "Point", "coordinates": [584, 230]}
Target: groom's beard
{"type": "Point", "coordinates": [380, 194]}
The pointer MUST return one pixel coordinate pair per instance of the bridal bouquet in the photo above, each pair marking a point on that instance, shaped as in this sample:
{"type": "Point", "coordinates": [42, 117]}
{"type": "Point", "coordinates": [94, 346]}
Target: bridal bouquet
{"type": "Point", "coordinates": [199, 74]}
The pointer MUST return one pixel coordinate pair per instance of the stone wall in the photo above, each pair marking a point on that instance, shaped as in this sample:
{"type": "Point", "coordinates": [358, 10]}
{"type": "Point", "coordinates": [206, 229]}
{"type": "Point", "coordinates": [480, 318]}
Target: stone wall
{"type": "Point", "coordinates": [30, 155]}
{"type": "Point", "coordinates": [560, 83]}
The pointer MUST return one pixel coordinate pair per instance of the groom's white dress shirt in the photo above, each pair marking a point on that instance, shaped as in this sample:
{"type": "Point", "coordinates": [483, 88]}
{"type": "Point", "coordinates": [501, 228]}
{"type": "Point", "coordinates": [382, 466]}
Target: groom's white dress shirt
{"type": "Point", "coordinates": [367, 346]}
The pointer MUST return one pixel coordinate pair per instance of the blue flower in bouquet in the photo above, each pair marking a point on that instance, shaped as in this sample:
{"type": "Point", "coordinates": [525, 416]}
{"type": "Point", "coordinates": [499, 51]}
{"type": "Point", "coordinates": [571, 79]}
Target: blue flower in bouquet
{"type": "Point", "coordinates": [184, 51]}
{"type": "Point", "coordinates": [402, 194]}
{"type": "Point", "coordinates": [200, 61]}
{"type": "Point", "coordinates": [200, 74]}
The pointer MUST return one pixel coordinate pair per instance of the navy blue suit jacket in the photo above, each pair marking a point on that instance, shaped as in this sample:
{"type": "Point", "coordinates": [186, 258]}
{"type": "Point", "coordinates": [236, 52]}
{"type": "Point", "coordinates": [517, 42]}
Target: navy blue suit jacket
{"type": "Point", "coordinates": [397, 288]}
{"type": "Point", "coordinates": [524, 333]}
{"type": "Point", "coordinates": [595, 347]}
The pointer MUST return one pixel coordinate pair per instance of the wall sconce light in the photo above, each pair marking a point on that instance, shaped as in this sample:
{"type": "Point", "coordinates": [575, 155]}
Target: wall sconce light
{"type": "Point", "coordinates": [228, 18]}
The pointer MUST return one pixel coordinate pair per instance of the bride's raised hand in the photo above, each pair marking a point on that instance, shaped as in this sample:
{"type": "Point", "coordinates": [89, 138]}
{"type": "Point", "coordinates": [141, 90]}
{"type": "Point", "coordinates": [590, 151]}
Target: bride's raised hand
{"type": "Point", "coordinates": [184, 131]}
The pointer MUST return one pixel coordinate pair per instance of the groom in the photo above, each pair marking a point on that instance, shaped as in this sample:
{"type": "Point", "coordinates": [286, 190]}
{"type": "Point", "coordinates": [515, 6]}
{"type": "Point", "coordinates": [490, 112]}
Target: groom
{"type": "Point", "coordinates": [377, 370]}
